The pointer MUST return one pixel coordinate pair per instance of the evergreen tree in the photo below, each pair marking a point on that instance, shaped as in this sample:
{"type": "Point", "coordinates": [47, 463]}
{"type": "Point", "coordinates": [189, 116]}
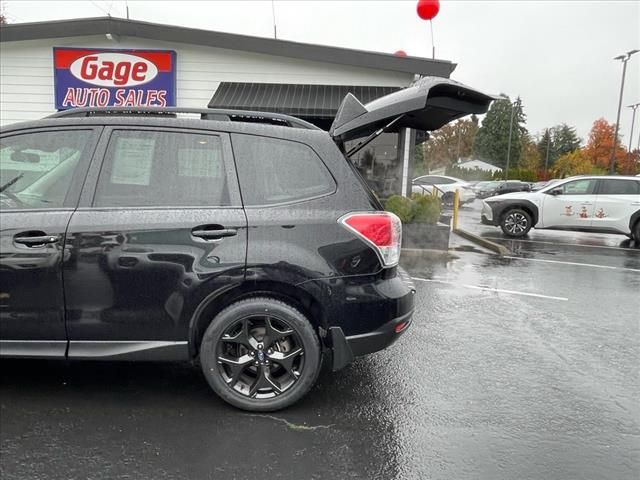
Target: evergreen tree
{"type": "Point", "coordinates": [566, 139]}
{"type": "Point", "coordinates": [492, 140]}
{"type": "Point", "coordinates": [560, 139]}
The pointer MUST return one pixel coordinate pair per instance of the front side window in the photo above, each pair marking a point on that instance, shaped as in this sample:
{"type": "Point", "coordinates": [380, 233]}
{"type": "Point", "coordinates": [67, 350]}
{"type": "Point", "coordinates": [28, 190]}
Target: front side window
{"type": "Point", "coordinates": [619, 187]}
{"type": "Point", "coordinates": [37, 169]}
{"type": "Point", "coordinates": [161, 168]}
{"type": "Point", "coordinates": [579, 187]}
{"type": "Point", "coordinates": [276, 171]}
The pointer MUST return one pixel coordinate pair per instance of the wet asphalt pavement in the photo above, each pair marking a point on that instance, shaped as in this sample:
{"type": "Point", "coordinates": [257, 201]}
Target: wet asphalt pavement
{"type": "Point", "coordinates": [514, 368]}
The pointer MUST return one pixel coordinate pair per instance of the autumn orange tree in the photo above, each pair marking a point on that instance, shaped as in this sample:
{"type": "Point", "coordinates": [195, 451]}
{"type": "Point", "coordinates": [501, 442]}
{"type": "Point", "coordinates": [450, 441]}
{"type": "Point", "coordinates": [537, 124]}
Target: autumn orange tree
{"type": "Point", "coordinates": [453, 141]}
{"type": "Point", "coordinates": [630, 165]}
{"type": "Point", "coordinates": [600, 144]}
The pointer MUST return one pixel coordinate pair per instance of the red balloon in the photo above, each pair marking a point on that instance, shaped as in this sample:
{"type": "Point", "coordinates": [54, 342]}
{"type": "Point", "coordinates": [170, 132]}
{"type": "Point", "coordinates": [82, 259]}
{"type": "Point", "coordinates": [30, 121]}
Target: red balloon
{"type": "Point", "coordinates": [400, 53]}
{"type": "Point", "coordinates": [428, 9]}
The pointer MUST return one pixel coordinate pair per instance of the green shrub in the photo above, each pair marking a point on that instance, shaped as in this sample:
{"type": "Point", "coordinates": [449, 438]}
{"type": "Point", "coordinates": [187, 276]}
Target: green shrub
{"type": "Point", "coordinates": [401, 206]}
{"type": "Point", "coordinates": [417, 209]}
{"type": "Point", "coordinates": [426, 209]}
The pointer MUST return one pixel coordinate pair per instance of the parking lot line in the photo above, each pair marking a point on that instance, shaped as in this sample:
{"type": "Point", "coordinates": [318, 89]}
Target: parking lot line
{"type": "Point", "coordinates": [491, 289]}
{"type": "Point", "coordinates": [560, 243]}
{"type": "Point", "coordinates": [591, 265]}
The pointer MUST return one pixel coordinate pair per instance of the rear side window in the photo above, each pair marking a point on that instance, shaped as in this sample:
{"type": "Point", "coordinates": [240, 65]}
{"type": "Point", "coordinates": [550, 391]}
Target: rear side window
{"type": "Point", "coordinates": [158, 168]}
{"type": "Point", "coordinates": [619, 187]}
{"type": "Point", "coordinates": [273, 171]}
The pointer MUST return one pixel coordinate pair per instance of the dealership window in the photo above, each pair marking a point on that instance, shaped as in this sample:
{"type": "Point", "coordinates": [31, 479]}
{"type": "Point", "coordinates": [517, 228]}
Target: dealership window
{"type": "Point", "coordinates": [144, 168]}
{"type": "Point", "coordinates": [380, 163]}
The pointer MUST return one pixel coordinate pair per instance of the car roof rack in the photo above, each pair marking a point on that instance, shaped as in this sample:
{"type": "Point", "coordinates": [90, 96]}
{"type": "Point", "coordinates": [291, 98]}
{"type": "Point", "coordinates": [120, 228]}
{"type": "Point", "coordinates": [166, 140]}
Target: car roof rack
{"type": "Point", "coordinates": [223, 115]}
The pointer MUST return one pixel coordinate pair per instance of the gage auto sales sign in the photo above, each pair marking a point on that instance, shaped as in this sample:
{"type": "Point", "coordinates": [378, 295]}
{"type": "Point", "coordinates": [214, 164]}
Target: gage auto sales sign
{"type": "Point", "coordinates": [114, 78]}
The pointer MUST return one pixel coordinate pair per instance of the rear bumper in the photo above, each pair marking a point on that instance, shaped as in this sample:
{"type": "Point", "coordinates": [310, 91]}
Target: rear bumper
{"type": "Point", "coordinates": [366, 314]}
{"type": "Point", "coordinates": [467, 196]}
{"type": "Point", "coordinates": [381, 338]}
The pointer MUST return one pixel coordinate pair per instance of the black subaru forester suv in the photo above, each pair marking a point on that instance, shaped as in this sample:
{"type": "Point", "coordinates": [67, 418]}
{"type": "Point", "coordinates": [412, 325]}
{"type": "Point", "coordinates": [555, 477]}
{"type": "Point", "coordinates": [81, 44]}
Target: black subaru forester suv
{"type": "Point", "coordinates": [245, 240]}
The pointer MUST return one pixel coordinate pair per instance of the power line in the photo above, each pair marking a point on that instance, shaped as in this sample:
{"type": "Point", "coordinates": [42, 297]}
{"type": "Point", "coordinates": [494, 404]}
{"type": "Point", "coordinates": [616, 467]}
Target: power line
{"type": "Point", "coordinates": [98, 6]}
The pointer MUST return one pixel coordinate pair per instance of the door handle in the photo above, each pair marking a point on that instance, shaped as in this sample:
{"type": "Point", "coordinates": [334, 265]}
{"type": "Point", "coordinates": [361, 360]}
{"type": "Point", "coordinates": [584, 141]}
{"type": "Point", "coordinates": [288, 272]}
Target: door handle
{"type": "Point", "coordinates": [40, 239]}
{"type": "Point", "coordinates": [587, 203]}
{"type": "Point", "coordinates": [635, 203]}
{"type": "Point", "coordinates": [213, 234]}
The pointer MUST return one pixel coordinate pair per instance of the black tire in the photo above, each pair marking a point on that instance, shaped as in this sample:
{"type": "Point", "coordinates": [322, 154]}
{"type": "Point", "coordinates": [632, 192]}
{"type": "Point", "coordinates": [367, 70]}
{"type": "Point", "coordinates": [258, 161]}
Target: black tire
{"type": "Point", "coordinates": [636, 233]}
{"type": "Point", "coordinates": [244, 355]}
{"type": "Point", "coordinates": [447, 199]}
{"type": "Point", "coordinates": [516, 223]}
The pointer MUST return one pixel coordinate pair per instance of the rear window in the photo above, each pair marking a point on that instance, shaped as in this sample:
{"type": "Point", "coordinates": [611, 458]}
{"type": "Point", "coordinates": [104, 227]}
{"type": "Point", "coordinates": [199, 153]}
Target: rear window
{"type": "Point", "coordinates": [619, 187]}
{"type": "Point", "coordinates": [273, 171]}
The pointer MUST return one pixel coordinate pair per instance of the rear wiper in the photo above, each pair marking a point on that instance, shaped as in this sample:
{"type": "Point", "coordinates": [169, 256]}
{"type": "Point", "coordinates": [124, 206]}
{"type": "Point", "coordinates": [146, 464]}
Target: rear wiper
{"type": "Point", "coordinates": [11, 182]}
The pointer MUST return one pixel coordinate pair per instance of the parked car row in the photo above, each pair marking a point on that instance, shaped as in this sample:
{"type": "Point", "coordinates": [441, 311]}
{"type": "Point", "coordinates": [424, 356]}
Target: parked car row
{"type": "Point", "coordinates": [445, 187]}
{"type": "Point", "coordinates": [489, 189]}
{"type": "Point", "coordinates": [602, 204]}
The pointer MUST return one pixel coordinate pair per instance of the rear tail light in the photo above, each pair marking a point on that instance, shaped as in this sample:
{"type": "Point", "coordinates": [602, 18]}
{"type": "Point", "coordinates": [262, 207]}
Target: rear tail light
{"type": "Point", "coordinates": [381, 230]}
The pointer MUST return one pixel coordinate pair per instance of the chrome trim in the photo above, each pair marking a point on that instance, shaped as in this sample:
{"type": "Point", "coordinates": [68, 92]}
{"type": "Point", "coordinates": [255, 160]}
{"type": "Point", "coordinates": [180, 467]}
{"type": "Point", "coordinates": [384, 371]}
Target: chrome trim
{"type": "Point", "coordinates": [33, 348]}
{"type": "Point", "coordinates": [128, 350]}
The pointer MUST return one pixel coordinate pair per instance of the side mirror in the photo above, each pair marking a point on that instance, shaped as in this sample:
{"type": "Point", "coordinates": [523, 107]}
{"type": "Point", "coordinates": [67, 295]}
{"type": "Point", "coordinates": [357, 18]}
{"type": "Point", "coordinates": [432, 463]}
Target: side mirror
{"type": "Point", "coordinates": [25, 157]}
{"type": "Point", "coordinates": [555, 191]}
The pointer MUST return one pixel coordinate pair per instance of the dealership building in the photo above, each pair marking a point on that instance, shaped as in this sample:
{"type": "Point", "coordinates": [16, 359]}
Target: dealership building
{"type": "Point", "coordinates": [50, 66]}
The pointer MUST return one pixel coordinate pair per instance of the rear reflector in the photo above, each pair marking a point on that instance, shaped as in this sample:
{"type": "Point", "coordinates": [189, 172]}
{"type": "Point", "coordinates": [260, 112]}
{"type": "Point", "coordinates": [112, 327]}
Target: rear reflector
{"type": "Point", "coordinates": [401, 326]}
{"type": "Point", "coordinates": [381, 230]}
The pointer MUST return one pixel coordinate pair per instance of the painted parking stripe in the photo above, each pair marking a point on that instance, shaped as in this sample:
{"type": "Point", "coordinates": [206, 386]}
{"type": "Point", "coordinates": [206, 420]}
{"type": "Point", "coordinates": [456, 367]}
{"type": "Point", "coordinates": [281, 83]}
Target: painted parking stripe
{"type": "Point", "coordinates": [590, 265]}
{"type": "Point", "coordinates": [560, 244]}
{"type": "Point", "coordinates": [491, 289]}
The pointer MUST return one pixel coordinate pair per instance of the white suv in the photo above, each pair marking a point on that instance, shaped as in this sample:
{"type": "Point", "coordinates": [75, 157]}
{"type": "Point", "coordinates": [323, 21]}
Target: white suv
{"type": "Point", "coordinates": [447, 187]}
{"type": "Point", "coordinates": [608, 204]}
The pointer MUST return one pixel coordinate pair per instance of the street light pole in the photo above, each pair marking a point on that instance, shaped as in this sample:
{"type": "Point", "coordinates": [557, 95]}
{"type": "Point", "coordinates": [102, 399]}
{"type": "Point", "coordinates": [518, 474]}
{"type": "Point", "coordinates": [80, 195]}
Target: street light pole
{"type": "Point", "coordinates": [624, 58]}
{"type": "Point", "coordinates": [633, 121]}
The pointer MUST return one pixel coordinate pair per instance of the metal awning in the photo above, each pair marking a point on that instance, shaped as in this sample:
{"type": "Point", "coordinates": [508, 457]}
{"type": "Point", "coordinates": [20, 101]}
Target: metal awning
{"type": "Point", "coordinates": [318, 101]}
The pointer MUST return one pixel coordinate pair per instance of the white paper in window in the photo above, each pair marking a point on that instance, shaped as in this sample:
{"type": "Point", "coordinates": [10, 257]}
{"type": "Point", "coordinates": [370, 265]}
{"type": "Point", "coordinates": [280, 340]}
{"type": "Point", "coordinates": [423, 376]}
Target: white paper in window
{"type": "Point", "coordinates": [132, 161]}
{"type": "Point", "coordinates": [200, 162]}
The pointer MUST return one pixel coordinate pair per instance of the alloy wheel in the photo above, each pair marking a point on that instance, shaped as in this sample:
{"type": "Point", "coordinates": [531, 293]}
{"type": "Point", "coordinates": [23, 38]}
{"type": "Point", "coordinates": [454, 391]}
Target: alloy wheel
{"type": "Point", "coordinates": [516, 223]}
{"type": "Point", "coordinates": [260, 356]}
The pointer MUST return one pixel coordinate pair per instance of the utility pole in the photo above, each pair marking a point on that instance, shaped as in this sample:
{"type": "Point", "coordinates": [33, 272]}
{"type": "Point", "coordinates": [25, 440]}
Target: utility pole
{"type": "Point", "coordinates": [624, 58]}
{"type": "Point", "coordinates": [460, 138]}
{"type": "Point", "coordinates": [513, 110]}
{"type": "Point", "coordinates": [273, 14]}
{"type": "Point", "coordinates": [546, 158]}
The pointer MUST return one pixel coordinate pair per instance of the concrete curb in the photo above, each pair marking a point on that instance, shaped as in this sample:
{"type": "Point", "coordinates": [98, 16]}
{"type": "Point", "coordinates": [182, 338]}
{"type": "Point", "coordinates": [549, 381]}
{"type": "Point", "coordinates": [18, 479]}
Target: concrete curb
{"type": "Point", "coordinates": [426, 254]}
{"type": "Point", "coordinates": [483, 242]}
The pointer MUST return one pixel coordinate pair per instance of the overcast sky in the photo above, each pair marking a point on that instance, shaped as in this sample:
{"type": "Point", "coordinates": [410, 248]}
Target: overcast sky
{"type": "Point", "coordinates": [557, 55]}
